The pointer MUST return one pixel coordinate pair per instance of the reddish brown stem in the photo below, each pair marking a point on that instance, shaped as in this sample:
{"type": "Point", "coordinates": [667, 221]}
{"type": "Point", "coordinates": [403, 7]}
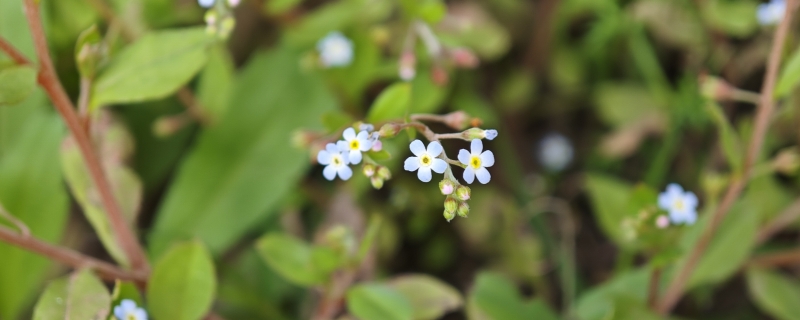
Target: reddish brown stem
{"type": "Point", "coordinates": [68, 257]}
{"type": "Point", "coordinates": [12, 52]}
{"type": "Point", "coordinates": [790, 257]}
{"type": "Point", "coordinates": [763, 115]}
{"type": "Point", "coordinates": [48, 79]}
{"type": "Point", "coordinates": [652, 293]}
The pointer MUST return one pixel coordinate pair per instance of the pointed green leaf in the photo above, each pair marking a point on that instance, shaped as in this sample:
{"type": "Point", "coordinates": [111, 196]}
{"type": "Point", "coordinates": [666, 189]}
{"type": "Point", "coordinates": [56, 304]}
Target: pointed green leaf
{"type": "Point", "coordinates": [80, 295]}
{"type": "Point", "coordinates": [429, 297]}
{"type": "Point", "coordinates": [290, 257]}
{"type": "Point", "coordinates": [610, 200]}
{"type": "Point", "coordinates": [153, 67]}
{"type": "Point", "coordinates": [731, 144]}
{"type": "Point", "coordinates": [774, 293]}
{"type": "Point", "coordinates": [392, 103]}
{"type": "Point", "coordinates": [216, 81]}
{"type": "Point", "coordinates": [183, 283]}
{"type": "Point", "coordinates": [790, 75]}
{"type": "Point", "coordinates": [372, 301]}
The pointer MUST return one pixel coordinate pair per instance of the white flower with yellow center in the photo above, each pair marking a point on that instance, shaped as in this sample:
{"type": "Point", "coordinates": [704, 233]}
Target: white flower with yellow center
{"type": "Point", "coordinates": [425, 160]}
{"type": "Point", "coordinates": [476, 161]}
{"type": "Point", "coordinates": [127, 310]}
{"type": "Point", "coordinates": [681, 206]}
{"type": "Point", "coordinates": [354, 144]}
{"type": "Point", "coordinates": [335, 50]}
{"type": "Point", "coordinates": [334, 162]}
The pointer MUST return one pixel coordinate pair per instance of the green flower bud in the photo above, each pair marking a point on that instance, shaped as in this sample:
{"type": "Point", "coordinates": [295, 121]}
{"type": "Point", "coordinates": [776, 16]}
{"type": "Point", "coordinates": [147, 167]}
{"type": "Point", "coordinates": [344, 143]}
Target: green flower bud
{"type": "Point", "coordinates": [450, 205]}
{"type": "Point", "coordinates": [390, 130]}
{"type": "Point", "coordinates": [369, 170]}
{"type": "Point", "coordinates": [376, 181]}
{"type": "Point", "coordinates": [473, 133]}
{"type": "Point", "coordinates": [449, 215]}
{"type": "Point", "coordinates": [446, 186]}
{"type": "Point", "coordinates": [463, 193]}
{"type": "Point", "coordinates": [463, 209]}
{"type": "Point", "coordinates": [384, 173]}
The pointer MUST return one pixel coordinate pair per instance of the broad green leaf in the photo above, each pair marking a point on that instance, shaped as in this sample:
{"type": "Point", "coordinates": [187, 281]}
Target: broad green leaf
{"type": "Point", "coordinates": [290, 257]}
{"type": "Point", "coordinates": [279, 7]}
{"type": "Point", "coordinates": [126, 291]}
{"type": "Point", "coordinates": [731, 144]}
{"type": "Point", "coordinates": [16, 84]}
{"type": "Point", "coordinates": [429, 297]}
{"type": "Point", "coordinates": [31, 189]}
{"type": "Point", "coordinates": [216, 81]}
{"type": "Point", "coordinates": [729, 248]}
{"type": "Point", "coordinates": [735, 18]}
{"type": "Point", "coordinates": [183, 283]}
{"type": "Point", "coordinates": [670, 22]}
{"type": "Point", "coordinates": [80, 295]}
{"type": "Point", "coordinates": [493, 296]}
{"type": "Point", "coordinates": [598, 302]}
{"type": "Point", "coordinates": [790, 75]}
{"type": "Point", "coordinates": [392, 103]}
{"type": "Point", "coordinates": [382, 155]}
{"type": "Point", "coordinates": [336, 120]}
{"type": "Point", "coordinates": [245, 163]}
{"type": "Point", "coordinates": [372, 301]}
{"type": "Point", "coordinates": [114, 145]}
{"type": "Point", "coordinates": [620, 103]}
{"type": "Point", "coordinates": [774, 293]}
{"type": "Point", "coordinates": [426, 96]}
{"type": "Point", "coordinates": [153, 67]}
{"type": "Point", "coordinates": [610, 200]}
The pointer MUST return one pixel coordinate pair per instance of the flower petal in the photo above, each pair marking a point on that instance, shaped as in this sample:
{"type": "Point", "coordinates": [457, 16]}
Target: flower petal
{"type": "Point", "coordinates": [463, 156]}
{"type": "Point", "coordinates": [140, 314]}
{"type": "Point", "coordinates": [119, 312]}
{"type": "Point", "coordinates": [364, 142]}
{"type": "Point", "coordinates": [665, 200]}
{"type": "Point", "coordinates": [342, 145]}
{"type": "Point", "coordinates": [323, 157]}
{"type": "Point", "coordinates": [345, 172]}
{"type": "Point", "coordinates": [690, 200]}
{"type": "Point", "coordinates": [675, 189]}
{"type": "Point", "coordinates": [349, 134]}
{"type": "Point", "coordinates": [424, 174]}
{"type": "Point", "coordinates": [331, 148]}
{"type": "Point", "coordinates": [128, 304]}
{"type": "Point", "coordinates": [469, 175]}
{"type": "Point", "coordinates": [434, 148]}
{"type": "Point", "coordinates": [417, 148]}
{"type": "Point", "coordinates": [411, 164]}
{"type": "Point", "coordinates": [329, 172]}
{"type": "Point", "coordinates": [487, 159]}
{"type": "Point", "coordinates": [483, 175]}
{"type": "Point", "coordinates": [355, 156]}
{"type": "Point", "coordinates": [439, 165]}
{"type": "Point", "coordinates": [476, 146]}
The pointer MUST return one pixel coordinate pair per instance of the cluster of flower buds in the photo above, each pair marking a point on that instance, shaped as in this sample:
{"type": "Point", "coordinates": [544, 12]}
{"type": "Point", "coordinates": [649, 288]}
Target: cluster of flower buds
{"type": "Point", "coordinates": [377, 174]}
{"type": "Point", "coordinates": [456, 201]}
{"type": "Point", "coordinates": [219, 17]}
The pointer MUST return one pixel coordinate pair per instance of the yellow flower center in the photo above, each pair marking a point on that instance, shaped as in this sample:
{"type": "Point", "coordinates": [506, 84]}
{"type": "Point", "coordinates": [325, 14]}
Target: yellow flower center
{"type": "Point", "coordinates": [354, 144]}
{"type": "Point", "coordinates": [678, 204]}
{"type": "Point", "coordinates": [130, 316]}
{"type": "Point", "coordinates": [475, 162]}
{"type": "Point", "coordinates": [336, 160]}
{"type": "Point", "coordinates": [425, 160]}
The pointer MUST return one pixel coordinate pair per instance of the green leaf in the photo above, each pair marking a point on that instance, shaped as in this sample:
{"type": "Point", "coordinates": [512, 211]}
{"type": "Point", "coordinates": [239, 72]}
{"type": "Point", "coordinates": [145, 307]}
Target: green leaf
{"type": "Point", "coordinates": [244, 164]}
{"type": "Point", "coordinates": [382, 155]}
{"type": "Point", "coordinates": [790, 75]}
{"type": "Point", "coordinates": [392, 103]}
{"type": "Point", "coordinates": [88, 53]}
{"type": "Point", "coordinates": [774, 293]}
{"type": "Point", "coordinates": [216, 80]}
{"type": "Point", "coordinates": [610, 200]}
{"type": "Point", "coordinates": [730, 247]}
{"type": "Point", "coordinates": [114, 141]}
{"type": "Point", "coordinates": [336, 120]}
{"type": "Point", "coordinates": [183, 283]}
{"type": "Point", "coordinates": [16, 84]}
{"type": "Point", "coordinates": [126, 291]}
{"type": "Point", "coordinates": [735, 18]}
{"type": "Point", "coordinates": [290, 257]}
{"type": "Point", "coordinates": [372, 301]}
{"type": "Point", "coordinates": [598, 302]}
{"type": "Point", "coordinates": [279, 7]}
{"type": "Point", "coordinates": [80, 295]}
{"type": "Point", "coordinates": [32, 190]}
{"type": "Point", "coordinates": [493, 296]}
{"type": "Point", "coordinates": [430, 298]}
{"type": "Point", "coordinates": [621, 103]}
{"type": "Point", "coordinates": [153, 67]}
{"type": "Point", "coordinates": [731, 144]}
{"type": "Point", "coordinates": [426, 96]}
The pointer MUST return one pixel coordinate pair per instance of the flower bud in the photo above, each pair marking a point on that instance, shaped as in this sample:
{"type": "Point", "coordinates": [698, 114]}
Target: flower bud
{"type": "Point", "coordinates": [456, 120]}
{"type": "Point", "coordinates": [376, 182]}
{"type": "Point", "coordinates": [715, 88]}
{"type": "Point", "coordinates": [449, 215]}
{"type": "Point", "coordinates": [366, 127]}
{"type": "Point", "coordinates": [390, 130]}
{"type": "Point", "coordinates": [384, 173]}
{"type": "Point", "coordinates": [446, 186]}
{"type": "Point", "coordinates": [463, 193]}
{"type": "Point", "coordinates": [662, 222]}
{"type": "Point", "coordinates": [464, 58]}
{"type": "Point", "coordinates": [463, 210]}
{"type": "Point", "coordinates": [408, 66]}
{"type": "Point", "coordinates": [473, 133]}
{"type": "Point", "coordinates": [377, 145]}
{"type": "Point", "coordinates": [369, 170]}
{"type": "Point", "coordinates": [450, 204]}
{"type": "Point", "coordinates": [490, 134]}
{"type": "Point", "coordinates": [439, 76]}
{"type": "Point", "coordinates": [168, 125]}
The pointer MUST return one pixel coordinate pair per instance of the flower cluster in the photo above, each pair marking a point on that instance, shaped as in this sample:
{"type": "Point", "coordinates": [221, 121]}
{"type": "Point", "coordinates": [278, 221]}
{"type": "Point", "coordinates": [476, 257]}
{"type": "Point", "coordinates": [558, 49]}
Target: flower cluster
{"type": "Point", "coordinates": [219, 17]}
{"type": "Point", "coordinates": [362, 146]}
{"type": "Point", "coordinates": [128, 310]}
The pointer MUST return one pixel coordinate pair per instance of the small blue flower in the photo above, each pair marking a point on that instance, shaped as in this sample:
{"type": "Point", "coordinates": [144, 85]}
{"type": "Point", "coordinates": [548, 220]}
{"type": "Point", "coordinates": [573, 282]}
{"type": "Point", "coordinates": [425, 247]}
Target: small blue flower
{"type": "Point", "coordinates": [771, 13]}
{"type": "Point", "coordinates": [205, 3]}
{"type": "Point", "coordinates": [127, 310]}
{"type": "Point", "coordinates": [681, 206]}
{"type": "Point", "coordinates": [335, 50]}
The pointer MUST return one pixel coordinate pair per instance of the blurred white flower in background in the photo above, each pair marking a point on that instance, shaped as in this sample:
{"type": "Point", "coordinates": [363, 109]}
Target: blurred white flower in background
{"type": "Point", "coordinates": [205, 3]}
{"type": "Point", "coordinates": [555, 152]}
{"type": "Point", "coordinates": [335, 50]}
{"type": "Point", "coordinates": [771, 13]}
{"type": "Point", "coordinates": [682, 206]}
